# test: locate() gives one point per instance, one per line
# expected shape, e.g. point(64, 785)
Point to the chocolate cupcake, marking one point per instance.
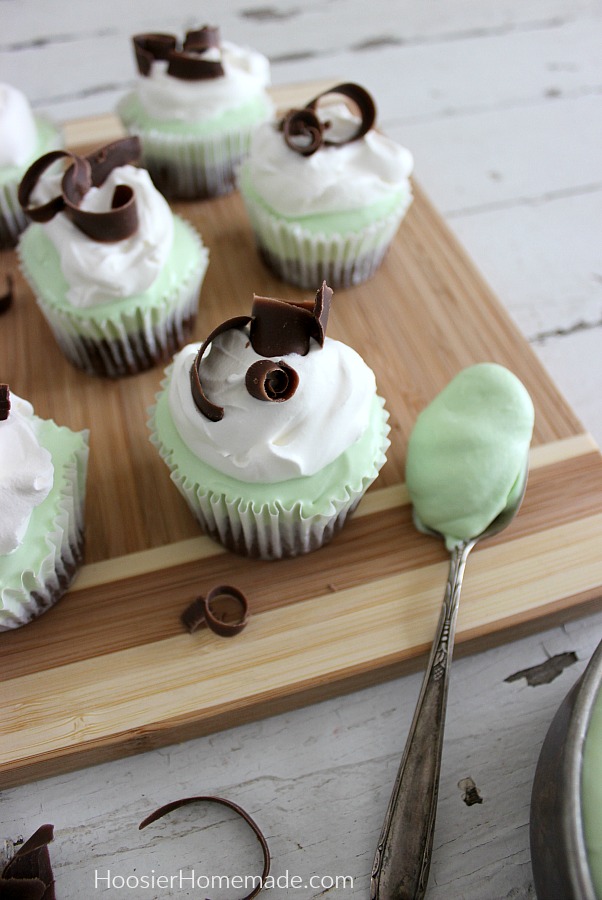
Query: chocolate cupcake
point(271, 431)
point(195, 107)
point(42, 485)
point(115, 272)
point(325, 191)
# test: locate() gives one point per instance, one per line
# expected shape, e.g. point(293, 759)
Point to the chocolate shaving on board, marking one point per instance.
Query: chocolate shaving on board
point(188, 63)
point(120, 222)
point(6, 299)
point(4, 402)
point(304, 131)
point(277, 328)
point(169, 807)
point(201, 611)
point(28, 875)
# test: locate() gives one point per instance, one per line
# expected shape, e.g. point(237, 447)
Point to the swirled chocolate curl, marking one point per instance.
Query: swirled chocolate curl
point(225, 610)
point(190, 63)
point(277, 328)
point(6, 299)
point(169, 807)
point(28, 875)
point(305, 132)
point(120, 222)
point(4, 402)
point(269, 380)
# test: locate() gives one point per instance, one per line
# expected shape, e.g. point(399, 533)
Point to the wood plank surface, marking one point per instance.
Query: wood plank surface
point(109, 671)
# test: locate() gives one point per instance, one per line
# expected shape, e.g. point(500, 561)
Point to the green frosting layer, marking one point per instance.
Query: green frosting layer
point(313, 494)
point(468, 451)
point(327, 223)
point(42, 266)
point(239, 118)
point(48, 138)
point(591, 794)
point(66, 448)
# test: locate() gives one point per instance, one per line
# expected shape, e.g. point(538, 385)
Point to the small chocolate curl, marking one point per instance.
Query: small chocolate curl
point(225, 610)
point(120, 222)
point(304, 131)
point(6, 299)
point(177, 804)
point(4, 402)
point(269, 380)
point(277, 328)
point(28, 875)
point(189, 63)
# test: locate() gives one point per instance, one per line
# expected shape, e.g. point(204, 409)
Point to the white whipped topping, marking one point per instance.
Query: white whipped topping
point(246, 75)
point(102, 272)
point(264, 441)
point(26, 474)
point(17, 127)
point(333, 179)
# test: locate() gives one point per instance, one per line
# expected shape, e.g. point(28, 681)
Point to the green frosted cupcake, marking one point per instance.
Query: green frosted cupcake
point(194, 109)
point(118, 275)
point(23, 138)
point(42, 484)
point(325, 192)
point(272, 432)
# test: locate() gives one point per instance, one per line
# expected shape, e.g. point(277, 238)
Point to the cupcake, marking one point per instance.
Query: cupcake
point(42, 486)
point(325, 192)
point(23, 137)
point(195, 108)
point(272, 432)
point(115, 273)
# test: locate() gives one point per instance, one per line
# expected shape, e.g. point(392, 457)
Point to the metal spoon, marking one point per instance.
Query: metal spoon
point(403, 855)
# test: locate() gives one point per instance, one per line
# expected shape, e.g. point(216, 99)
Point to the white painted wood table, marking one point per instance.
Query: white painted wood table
point(501, 104)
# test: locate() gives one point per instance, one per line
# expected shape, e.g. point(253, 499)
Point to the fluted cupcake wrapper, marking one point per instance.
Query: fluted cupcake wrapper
point(303, 258)
point(268, 529)
point(49, 578)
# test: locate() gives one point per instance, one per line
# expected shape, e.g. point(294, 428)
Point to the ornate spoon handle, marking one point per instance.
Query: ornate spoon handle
point(403, 854)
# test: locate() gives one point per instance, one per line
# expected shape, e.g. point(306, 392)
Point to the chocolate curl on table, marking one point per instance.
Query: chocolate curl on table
point(116, 224)
point(225, 610)
point(6, 299)
point(304, 131)
point(4, 402)
point(169, 807)
point(188, 64)
point(28, 875)
point(277, 328)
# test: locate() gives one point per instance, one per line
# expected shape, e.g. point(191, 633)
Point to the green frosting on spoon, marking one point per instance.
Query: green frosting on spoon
point(468, 452)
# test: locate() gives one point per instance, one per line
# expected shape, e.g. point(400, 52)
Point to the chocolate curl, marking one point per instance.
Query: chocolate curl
point(120, 222)
point(169, 807)
point(304, 130)
point(28, 875)
point(210, 410)
point(225, 610)
point(187, 64)
point(280, 327)
point(6, 299)
point(268, 380)
point(4, 402)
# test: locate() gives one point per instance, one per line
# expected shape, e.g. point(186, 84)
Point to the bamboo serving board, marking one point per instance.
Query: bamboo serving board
point(109, 671)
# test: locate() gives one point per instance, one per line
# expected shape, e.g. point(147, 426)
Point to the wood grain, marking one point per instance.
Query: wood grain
point(109, 671)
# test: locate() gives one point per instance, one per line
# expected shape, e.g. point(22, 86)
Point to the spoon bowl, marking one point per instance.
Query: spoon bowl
point(403, 854)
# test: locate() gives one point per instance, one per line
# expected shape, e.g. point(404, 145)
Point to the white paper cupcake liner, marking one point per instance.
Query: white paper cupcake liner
point(133, 341)
point(270, 530)
point(305, 259)
point(189, 167)
point(43, 585)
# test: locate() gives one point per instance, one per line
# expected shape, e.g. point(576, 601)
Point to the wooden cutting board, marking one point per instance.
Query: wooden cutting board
point(110, 671)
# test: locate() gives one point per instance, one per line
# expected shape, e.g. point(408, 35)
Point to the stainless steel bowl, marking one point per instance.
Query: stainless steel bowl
point(558, 854)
